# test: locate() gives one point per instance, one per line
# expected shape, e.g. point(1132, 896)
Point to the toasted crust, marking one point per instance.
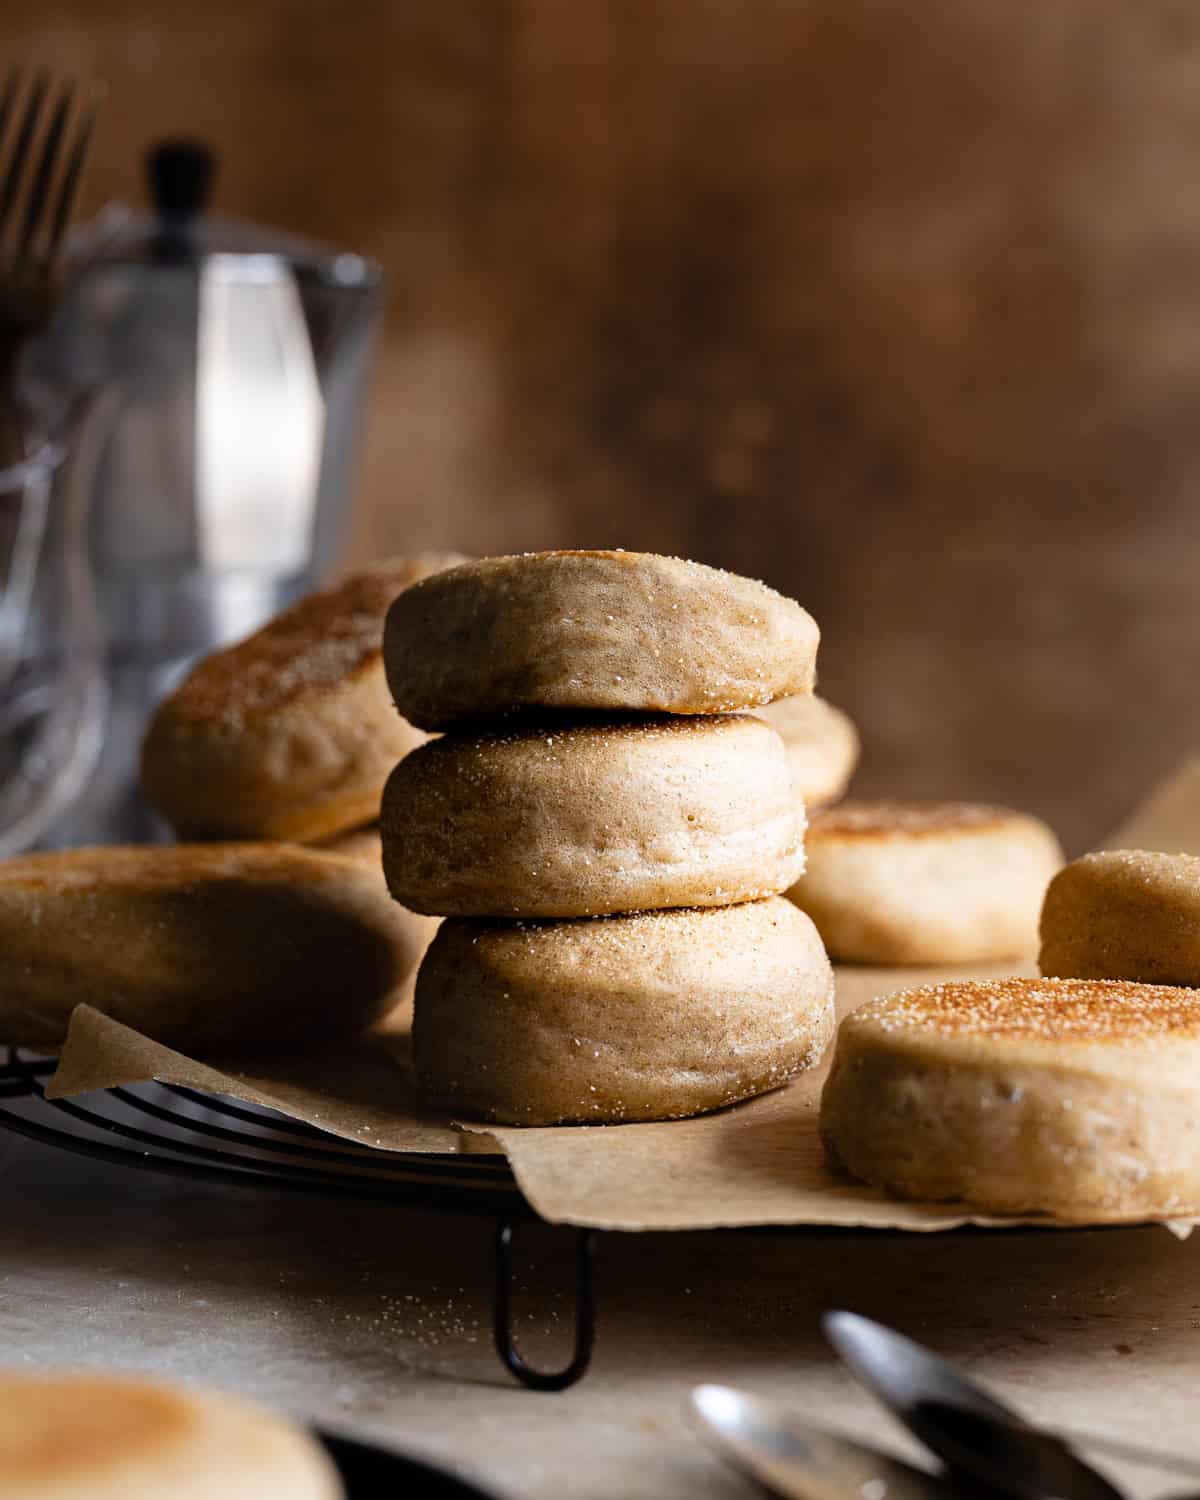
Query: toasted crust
point(1076, 1098)
point(592, 818)
point(897, 822)
point(644, 1017)
point(607, 631)
point(291, 733)
point(206, 946)
point(1016, 1017)
point(822, 746)
point(1124, 914)
point(943, 882)
point(112, 1437)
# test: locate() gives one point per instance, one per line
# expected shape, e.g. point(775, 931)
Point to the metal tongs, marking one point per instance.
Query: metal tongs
point(983, 1447)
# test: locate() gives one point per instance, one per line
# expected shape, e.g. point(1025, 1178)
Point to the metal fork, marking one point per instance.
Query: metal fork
point(46, 128)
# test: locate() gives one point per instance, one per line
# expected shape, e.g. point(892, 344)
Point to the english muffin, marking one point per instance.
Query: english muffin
point(1124, 914)
point(644, 1017)
point(925, 882)
point(1072, 1097)
point(290, 734)
point(202, 946)
point(606, 631)
point(95, 1436)
point(821, 742)
point(591, 818)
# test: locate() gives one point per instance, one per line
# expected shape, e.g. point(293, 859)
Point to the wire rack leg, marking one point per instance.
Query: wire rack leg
point(585, 1313)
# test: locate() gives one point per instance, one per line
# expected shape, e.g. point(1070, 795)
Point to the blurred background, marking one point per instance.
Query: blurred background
point(894, 305)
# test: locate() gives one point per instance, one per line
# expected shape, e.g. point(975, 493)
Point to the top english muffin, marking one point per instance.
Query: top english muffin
point(607, 631)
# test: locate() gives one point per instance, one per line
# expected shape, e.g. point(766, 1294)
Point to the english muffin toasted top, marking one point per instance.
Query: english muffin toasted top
point(1078, 1011)
point(324, 640)
point(292, 733)
point(884, 819)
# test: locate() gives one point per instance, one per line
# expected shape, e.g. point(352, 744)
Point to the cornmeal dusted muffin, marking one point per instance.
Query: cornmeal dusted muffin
point(597, 631)
point(1076, 1098)
point(643, 1017)
point(1124, 914)
point(199, 945)
point(925, 882)
point(290, 734)
point(589, 818)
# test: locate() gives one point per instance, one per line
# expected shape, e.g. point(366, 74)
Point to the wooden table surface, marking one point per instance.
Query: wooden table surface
point(378, 1320)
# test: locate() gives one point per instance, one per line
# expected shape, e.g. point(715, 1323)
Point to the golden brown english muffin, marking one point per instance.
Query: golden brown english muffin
point(590, 818)
point(290, 734)
point(1124, 914)
point(608, 631)
point(1072, 1097)
point(99, 1436)
point(205, 945)
point(822, 746)
point(644, 1017)
point(925, 882)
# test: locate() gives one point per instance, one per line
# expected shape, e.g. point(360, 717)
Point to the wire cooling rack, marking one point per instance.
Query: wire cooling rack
point(160, 1127)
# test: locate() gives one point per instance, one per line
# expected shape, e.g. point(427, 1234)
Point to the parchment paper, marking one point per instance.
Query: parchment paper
point(759, 1163)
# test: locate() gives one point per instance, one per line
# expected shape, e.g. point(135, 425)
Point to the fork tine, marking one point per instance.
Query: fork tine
point(69, 185)
point(12, 178)
point(40, 189)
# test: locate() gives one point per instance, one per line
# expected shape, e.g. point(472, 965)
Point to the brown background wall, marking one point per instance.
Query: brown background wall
point(894, 303)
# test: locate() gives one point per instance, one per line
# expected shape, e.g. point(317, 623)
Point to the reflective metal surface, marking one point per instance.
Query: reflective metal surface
point(970, 1431)
point(767, 1442)
point(219, 495)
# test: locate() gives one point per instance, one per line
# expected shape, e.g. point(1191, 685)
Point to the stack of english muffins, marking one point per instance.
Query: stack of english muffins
point(607, 834)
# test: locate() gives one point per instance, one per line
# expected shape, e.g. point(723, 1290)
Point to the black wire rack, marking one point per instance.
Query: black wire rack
point(161, 1127)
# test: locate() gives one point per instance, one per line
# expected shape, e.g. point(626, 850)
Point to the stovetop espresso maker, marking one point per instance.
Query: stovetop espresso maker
point(218, 490)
